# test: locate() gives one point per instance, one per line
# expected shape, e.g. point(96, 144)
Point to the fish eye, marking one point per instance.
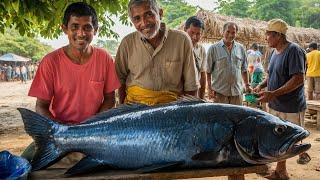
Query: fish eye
point(279, 129)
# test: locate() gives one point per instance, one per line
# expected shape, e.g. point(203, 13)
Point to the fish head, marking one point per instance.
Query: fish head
point(266, 138)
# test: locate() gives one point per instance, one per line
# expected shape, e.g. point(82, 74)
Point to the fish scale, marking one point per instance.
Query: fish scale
point(190, 134)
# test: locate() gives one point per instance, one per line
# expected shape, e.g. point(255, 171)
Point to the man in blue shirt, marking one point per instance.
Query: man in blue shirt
point(285, 84)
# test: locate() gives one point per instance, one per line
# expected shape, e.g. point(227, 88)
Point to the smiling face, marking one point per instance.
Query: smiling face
point(146, 20)
point(80, 32)
point(194, 33)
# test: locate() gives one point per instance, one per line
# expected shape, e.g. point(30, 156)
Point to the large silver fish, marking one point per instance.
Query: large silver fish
point(177, 135)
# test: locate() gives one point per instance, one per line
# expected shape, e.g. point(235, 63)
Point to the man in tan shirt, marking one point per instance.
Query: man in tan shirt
point(194, 27)
point(154, 64)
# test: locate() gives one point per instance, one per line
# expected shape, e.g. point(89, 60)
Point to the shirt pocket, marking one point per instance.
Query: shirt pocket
point(96, 89)
point(221, 63)
point(238, 60)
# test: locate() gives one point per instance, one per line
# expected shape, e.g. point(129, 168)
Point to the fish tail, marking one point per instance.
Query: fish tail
point(42, 130)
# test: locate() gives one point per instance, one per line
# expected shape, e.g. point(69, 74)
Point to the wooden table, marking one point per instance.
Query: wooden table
point(315, 105)
point(236, 173)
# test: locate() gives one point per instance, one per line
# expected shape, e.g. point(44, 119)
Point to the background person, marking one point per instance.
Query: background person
point(194, 27)
point(313, 72)
point(227, 68)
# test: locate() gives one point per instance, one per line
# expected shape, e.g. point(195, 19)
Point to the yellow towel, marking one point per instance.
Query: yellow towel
point(136, 94)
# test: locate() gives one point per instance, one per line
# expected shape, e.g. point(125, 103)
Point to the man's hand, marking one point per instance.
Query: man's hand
point(211, 93)
point(257, 89)
point(248, 88)
point(266, 96)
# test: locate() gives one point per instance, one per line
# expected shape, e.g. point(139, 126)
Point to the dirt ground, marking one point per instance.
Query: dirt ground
point(14, 139)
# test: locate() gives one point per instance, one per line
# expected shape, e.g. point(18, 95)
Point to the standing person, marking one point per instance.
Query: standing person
point(313, 71)
point(227, 68)
point(285, 84)
point(18, 74)
point(78, 80)
point(254, 60)
point(194, 27)
point(23, 73)
point(4, 69)
point(154, 64)
point(9, 72)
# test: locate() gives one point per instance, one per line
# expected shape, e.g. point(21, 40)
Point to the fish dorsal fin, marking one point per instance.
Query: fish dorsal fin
point(85, 165)
point(116, 111)
point(159, 167)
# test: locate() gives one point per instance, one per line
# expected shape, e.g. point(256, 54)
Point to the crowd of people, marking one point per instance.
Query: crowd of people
point(156, 64)
point(17, 71)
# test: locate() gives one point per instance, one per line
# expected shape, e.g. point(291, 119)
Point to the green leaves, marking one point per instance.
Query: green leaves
point(176, 12)
point(13, 42)
point(44, 17)
point(305, 13)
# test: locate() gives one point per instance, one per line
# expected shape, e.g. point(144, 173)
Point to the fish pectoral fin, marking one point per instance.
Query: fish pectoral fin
point(160, 167)
point(205, 156)
point(85, 165)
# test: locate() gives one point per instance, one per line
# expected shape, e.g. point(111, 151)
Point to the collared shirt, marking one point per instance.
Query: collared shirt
point(200, 59)
point(226, 68)
point(169, 67)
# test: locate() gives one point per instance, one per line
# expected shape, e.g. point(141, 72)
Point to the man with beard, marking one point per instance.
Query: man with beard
point(76, 81)
point(194, 27)
point(154, 64)
point(227, 68)
point(285, 84)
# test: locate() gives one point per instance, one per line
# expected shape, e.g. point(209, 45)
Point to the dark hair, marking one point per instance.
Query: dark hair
point(313, 45)
point(152, 3)
point(227, 24)
point(254, 46)
point(195, 21)
point(79, 9)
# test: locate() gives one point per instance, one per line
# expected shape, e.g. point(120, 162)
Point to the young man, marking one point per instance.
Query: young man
point(227, 68)
point(154, 64)
point(194, 27)
point(285, 84)
point(76, 81)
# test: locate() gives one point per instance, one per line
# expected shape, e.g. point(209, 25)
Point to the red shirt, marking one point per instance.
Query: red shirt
point(75, 91)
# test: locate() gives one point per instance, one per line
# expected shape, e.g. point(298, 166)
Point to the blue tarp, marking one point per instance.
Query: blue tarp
point(13, 58)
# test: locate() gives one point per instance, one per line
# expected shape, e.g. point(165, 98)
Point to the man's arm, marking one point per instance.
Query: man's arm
point(108, 102)
point(122, 93)
point(296, 81)
point(210, 90)
point(42, 108)
point(203, 85)
point(245, 80)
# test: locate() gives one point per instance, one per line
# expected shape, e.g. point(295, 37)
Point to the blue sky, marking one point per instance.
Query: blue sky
point(123, 30)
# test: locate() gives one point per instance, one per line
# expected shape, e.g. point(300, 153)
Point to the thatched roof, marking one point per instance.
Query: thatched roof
point(250, 30)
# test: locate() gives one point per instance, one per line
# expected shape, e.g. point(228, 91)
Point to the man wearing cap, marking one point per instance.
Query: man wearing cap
point(285, 84)
point(227, 68)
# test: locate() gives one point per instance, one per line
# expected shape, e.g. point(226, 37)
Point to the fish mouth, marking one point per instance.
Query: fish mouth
point(288, 150)
point(295, 146)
